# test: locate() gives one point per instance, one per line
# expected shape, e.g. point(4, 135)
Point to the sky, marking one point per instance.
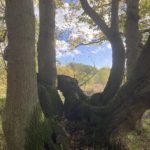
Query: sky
point(95, 55)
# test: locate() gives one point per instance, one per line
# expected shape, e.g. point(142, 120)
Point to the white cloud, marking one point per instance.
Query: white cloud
point(62, 49)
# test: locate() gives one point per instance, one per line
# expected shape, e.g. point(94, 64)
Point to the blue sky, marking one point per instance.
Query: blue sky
point(95, 55)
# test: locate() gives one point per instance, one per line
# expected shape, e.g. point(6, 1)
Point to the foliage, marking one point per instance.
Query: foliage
point(43, 132)
point(88, 77)
point(144, 19)
point(80, 28)
point(2, 79)
point(50, 101)
point(139, 138)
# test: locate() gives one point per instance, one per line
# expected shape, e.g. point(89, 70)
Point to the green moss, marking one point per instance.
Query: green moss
point(50, 101)
point(139, 138)
point(41, 131)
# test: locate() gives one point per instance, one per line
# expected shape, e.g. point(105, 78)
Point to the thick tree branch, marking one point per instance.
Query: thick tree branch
point(143, 65)
point(98, 41)
point(117, 71)
point(126, 107)
point(132, 35)
point(134, 95)
point(118, 51)
point(114, 15)
point(95, 17)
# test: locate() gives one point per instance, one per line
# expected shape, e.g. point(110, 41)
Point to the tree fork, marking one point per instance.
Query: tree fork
point(118, 120)
point(118, 51)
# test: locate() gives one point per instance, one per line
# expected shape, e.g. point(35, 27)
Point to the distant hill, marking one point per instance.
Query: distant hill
point(91, 79)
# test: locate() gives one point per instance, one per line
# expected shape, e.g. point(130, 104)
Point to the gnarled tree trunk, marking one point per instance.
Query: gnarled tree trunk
point(103, 118)
point(116, 111)
point(107, 125)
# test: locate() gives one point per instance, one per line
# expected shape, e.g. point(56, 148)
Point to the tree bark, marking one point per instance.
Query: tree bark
point(117, 70)
point(21, 79)
point(46, 43)
point(50, 101)
point(132, 35)
point(134, 95)
point(121, 107)
point(112, 122)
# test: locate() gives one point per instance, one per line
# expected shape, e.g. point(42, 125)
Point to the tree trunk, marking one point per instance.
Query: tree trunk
point(22, 85)
point(118, 50)
point(105, 126)
point(46, 43)
point(117, 70)
point(132, 35)
point(47, 88)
